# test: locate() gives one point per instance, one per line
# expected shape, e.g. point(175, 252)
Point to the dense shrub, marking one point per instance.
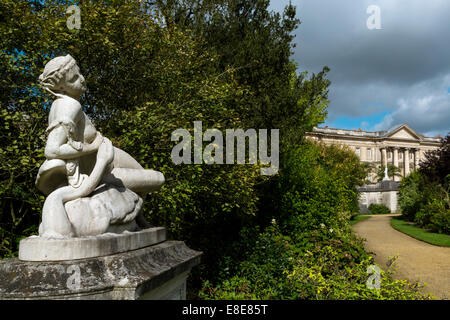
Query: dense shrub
point(379, 209)
point(334, 267)
point(410, 196)
point(309, 251)
point(318, 186)
point(424, 194)
point(440, 219)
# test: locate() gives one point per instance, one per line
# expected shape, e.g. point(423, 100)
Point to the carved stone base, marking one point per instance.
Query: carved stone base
point(35, 248)
point(154, 272)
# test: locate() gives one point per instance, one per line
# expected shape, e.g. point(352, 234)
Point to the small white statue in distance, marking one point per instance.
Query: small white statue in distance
point(386, 177)
point(92, 186)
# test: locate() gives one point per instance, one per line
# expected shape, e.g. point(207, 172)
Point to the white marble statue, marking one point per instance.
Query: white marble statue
point(92, 186)
point(386, 177)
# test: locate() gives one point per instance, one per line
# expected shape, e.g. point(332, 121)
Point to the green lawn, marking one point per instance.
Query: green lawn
point(358, 218)
point(437, 239)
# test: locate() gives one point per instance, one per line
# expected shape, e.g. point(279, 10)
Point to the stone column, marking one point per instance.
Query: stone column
point(406, 162)
point(384, 157)
point(395, 157)
point(416, 159)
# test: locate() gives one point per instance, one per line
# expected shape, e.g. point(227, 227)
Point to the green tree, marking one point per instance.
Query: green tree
point(257, 44)
point(436, 166)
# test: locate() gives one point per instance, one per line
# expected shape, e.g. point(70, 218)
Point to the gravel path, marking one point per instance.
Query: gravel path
point(417, 261)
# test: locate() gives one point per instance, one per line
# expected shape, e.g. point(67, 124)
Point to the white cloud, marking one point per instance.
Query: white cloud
point(402, 69)
point(425, 107)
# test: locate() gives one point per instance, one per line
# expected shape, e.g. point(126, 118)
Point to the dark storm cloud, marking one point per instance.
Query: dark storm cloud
point(403, 68)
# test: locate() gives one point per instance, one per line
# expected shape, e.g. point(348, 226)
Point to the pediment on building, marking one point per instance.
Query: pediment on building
point(403, 132)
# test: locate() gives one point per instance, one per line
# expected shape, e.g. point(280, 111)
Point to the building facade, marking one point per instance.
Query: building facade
point(401, 146)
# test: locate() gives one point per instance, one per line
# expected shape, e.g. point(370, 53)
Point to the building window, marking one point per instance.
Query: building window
point(369, 154)
point(389, 154)
point(358, 152)
point(400, 155)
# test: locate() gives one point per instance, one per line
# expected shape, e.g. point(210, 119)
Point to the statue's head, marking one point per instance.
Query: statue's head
point(62, 76)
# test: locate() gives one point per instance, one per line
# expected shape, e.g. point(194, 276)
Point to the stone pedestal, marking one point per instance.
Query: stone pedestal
point(35, 248)
point(157, 271)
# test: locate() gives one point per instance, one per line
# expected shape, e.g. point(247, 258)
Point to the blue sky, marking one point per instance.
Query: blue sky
point(379, 78)
point(364, 122)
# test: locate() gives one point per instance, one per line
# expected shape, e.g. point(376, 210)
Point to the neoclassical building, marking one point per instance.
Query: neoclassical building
point(401, 146)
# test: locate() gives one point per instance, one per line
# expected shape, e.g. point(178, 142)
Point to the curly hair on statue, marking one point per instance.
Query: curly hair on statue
point(55, 71)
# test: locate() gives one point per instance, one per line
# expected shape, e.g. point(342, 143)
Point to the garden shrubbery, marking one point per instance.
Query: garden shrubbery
point(379, 209)
point(306, 255)
point(424, 194)
point(334, 268)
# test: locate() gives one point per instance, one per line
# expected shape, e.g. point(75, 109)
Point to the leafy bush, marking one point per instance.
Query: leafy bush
point(318, 186)
point(309, 251)
point(423, 200)
point(335, 267)
point(410, 196)
point(440, 220)
point(379, 209)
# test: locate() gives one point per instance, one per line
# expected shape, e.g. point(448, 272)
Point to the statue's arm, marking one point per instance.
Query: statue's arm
point(94, 145)
point(105, 156)
point(58, 148)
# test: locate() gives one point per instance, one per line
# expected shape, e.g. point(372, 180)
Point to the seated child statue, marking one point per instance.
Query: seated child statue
point(92, 186)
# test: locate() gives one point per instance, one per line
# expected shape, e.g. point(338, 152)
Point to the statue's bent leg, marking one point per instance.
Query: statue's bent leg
point(129, 173)
point(55, 223)
point(124, 160)
point(137, 180)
